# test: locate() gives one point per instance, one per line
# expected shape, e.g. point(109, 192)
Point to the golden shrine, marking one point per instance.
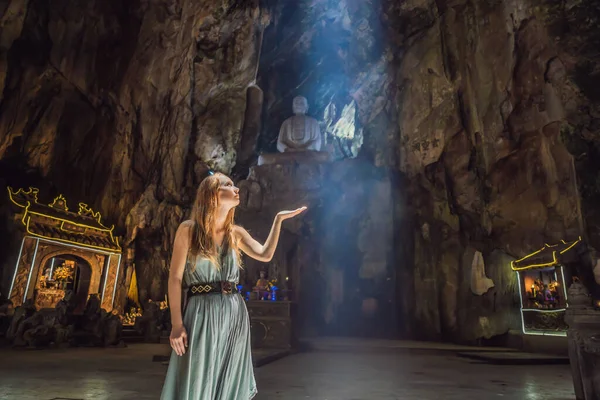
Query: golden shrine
point(543, 288)
point(62, 251)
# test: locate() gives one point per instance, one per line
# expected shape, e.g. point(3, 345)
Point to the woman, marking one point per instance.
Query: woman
point(211, 357)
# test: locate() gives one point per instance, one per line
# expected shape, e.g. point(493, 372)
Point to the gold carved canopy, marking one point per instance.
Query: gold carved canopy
point(548, 256)
point(55, 222)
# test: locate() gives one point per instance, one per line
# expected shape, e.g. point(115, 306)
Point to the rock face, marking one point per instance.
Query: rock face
point(464, 101)
point(447, 120)
point(479, 122)
point(574, 26)
point(125, 105)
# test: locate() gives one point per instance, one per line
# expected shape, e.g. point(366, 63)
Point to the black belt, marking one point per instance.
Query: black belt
point(213, 287)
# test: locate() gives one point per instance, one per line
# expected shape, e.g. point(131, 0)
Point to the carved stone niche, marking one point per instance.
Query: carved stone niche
point(584, 343)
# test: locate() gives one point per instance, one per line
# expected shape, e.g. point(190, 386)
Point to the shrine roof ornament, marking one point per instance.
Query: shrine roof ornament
point(55, 222)
point(547, 256)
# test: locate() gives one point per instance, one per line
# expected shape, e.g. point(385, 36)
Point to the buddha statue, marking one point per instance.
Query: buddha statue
point(299, 139)
point(300, 132)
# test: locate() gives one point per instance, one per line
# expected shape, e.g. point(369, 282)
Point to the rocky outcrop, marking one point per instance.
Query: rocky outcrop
point(465, 101)
point(125, 105)
point(480, 117)
point(574, 27)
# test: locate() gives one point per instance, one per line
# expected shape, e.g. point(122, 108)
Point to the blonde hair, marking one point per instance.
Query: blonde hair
point(203, 217)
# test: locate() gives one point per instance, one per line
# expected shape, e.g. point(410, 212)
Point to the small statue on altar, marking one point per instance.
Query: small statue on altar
point(262, 286)
point(300, 132)
point(262, 282)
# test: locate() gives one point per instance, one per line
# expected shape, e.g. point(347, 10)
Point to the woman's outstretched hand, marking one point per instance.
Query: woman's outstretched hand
point(283, 215)
point(178, 339)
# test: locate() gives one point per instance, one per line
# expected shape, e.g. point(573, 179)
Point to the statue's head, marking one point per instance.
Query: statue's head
point(300, 105)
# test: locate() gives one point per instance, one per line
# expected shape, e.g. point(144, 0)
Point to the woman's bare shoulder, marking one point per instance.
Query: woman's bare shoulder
point(187, 224)
point(185, 228)
point(238, 230)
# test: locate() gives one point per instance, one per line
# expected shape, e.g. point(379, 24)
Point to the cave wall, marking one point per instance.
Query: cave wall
point(574, 27)
point(484, 93)
point(480, 116)
point(460, 108)
point(463, 103)
point(124, 106)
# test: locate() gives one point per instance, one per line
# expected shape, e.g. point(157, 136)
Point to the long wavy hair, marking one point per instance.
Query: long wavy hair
point(204, 217)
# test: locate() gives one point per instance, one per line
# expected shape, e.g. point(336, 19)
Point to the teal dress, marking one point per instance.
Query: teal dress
point(217, 364)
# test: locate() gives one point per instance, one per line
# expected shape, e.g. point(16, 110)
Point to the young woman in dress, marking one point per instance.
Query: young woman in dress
point(211, 357)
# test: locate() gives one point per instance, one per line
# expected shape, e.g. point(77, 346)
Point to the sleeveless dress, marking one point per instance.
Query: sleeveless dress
point(217, 364)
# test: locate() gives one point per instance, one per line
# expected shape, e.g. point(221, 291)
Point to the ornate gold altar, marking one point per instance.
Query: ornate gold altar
point(62, 251)
point(542, 288)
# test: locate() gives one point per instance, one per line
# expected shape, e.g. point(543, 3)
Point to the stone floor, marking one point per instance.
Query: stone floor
point(404, 374)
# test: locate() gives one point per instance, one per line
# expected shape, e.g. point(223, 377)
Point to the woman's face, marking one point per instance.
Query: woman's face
point(228, 194)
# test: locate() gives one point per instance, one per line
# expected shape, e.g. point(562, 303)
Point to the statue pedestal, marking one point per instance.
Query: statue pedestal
point(271, 324)
point(299, 157)
point(584, 344)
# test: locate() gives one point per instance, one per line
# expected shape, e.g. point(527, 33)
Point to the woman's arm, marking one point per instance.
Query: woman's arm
point(264, 252)
point(180, 249)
